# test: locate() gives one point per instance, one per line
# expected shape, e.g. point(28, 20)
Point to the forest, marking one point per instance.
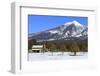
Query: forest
point(61, 45)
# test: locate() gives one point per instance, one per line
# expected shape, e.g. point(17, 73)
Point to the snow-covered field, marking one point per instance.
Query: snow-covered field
point(56, 56)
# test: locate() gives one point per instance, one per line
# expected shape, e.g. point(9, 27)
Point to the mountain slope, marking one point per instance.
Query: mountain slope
point(66, 31)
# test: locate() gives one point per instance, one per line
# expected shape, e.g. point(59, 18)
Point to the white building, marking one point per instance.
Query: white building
point(37, 48)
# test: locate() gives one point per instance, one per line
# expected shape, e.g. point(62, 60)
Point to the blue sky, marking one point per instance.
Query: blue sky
point(37, 23)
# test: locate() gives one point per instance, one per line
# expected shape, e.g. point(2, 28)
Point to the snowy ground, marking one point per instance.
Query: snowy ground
point(56, 56)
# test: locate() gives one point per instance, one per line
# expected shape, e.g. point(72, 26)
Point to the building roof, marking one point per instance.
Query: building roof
point(37, 46)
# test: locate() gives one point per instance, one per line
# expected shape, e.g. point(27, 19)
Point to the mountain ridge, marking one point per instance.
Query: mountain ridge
point(66, 31)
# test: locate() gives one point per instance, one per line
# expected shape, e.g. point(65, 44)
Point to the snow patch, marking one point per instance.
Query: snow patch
point(53, 31)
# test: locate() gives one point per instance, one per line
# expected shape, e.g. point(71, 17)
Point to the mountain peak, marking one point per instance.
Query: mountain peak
point(76, 23)
point(73, 22)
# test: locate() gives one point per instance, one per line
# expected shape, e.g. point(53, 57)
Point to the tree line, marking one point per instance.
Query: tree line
point(65, 46)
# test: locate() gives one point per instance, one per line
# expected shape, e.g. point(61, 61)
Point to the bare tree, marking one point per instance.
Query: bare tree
point(74, 48)
point(63, 48)
point(52, 48)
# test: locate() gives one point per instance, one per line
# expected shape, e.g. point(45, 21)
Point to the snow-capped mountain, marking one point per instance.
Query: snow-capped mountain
point(66, 31)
